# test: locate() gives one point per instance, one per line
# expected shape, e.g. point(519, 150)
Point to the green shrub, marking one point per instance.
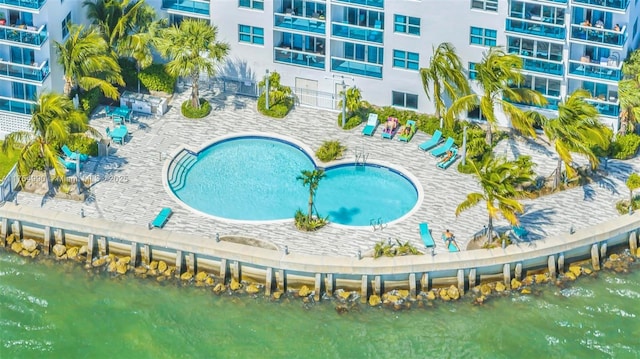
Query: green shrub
point(278, 110)
point(129, 73)
point(352, 122)
point(330, 150)
point(303, 223)
point(625, 147)
point(191, 112)
point(89, 100)
point(623, 205)
point(155, 78)
point(83, 144)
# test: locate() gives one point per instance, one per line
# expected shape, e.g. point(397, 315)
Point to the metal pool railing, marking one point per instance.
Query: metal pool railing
point(179, 167)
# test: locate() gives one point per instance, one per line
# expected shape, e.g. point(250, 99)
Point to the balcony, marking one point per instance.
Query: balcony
point(599, 36)
point(196, 8)
point(300, 58)
point(355, 67)
point(30, 36)
point(15, 105)
point(542, 66)
point(536, 28)
point(610, 4)
point(370, 3)
point(599, 71)
point(32, 74)
point(308, 24)
point(606, 108)
point(27, 4)
point(354, 32)
point(552, 103)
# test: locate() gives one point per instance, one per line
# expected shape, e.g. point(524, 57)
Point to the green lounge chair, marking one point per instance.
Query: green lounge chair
point(412, 130)
point(372, 123)
point(426, 235)
point(73, 155)
point(445, 163)
point(162, 217)
point(453, 246)
point(440, 151)
point(432, 142)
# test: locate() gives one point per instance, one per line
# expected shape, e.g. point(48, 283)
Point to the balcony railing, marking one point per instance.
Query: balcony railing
point(27, 36)
point(301, 58)
point(29, 4)
point(536, 28)
point(613, 4)
point(190, 6)
point(36, 72)
point(542, 66)
point(606, 108)
point(356, 32)
point(355, 67)
point(552, 102)
point(599, 35)
point(301, 23)
point(596, 71)
point(370, 3)
point(14, 105)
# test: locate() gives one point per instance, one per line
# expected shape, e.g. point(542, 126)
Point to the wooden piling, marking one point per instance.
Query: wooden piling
point(179, 263)
point(633, 243)
point(223, 270)
point(561, 263)
point(551, 266)
point(48, 240)
point(102, 247)
point(328, 283)
point(472, 278)
point(17, 228)
point(268, 282)
point(235, 270)
point(603, 250)
point(282, 285)
point(506, 272)
point(595, 259)
point(91, 243)
point(517, 272)
point(412, 285)
point(134, 255)
point(191, 263)
point(377, 285)
point(317, 288)
point(461, 281)
point(424, 282)
point(364, 289)
point(4, 232)
point(146, 257)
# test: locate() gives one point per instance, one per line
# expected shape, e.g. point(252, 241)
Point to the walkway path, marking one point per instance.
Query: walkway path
point(129, 186)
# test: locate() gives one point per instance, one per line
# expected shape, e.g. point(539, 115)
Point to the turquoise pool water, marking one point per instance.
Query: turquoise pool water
point(254, 179)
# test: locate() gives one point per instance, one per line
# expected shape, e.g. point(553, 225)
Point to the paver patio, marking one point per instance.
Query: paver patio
point(129, 185)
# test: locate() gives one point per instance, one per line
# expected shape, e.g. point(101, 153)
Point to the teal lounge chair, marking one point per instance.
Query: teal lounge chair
point(426, 235)
point(453, 246)
point(372, 124)
point(73, 155)
point(439, 151)
point(162, 217)
point(445, 163)
point(70, 165)
point(432, 142)
point(412, 131)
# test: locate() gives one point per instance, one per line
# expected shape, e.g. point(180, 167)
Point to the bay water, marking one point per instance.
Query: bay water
point(60, 310)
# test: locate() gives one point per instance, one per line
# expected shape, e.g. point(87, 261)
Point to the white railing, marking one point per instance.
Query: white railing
point(9, 183)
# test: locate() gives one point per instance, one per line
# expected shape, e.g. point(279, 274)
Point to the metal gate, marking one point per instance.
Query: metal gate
point(236, 86)
point(316, 99)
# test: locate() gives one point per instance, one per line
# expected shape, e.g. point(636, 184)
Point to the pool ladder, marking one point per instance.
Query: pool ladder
point(361, 156)
point(377, 224)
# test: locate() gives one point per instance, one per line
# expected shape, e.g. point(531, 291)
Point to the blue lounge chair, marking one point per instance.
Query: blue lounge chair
point(70, 165)
point(439, 151)
point(426, 235)
point(447, 161)
point(372, 123)
point(453, 246)
point(412, 130)
point(73, 155)
point(520, 232)
point(162, 217)
point(432, 142)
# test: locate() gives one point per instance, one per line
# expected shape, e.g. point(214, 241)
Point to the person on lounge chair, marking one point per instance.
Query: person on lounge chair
point(406, 131)
point(448, 237)
point(447, 156)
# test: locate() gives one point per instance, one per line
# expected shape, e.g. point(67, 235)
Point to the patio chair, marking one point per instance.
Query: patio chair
point(406, 137)
point(390, 128)
point(425, 234)
point(70, 165)
point(447, 161)
point(74, 155)
point(371, 125)
point(440, 151)
point(162, 218)
point(432, 142)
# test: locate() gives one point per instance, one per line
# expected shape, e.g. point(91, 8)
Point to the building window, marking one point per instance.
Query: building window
point(635, 29)
point(489, 5)
point(406, 24)
point(251, 34)
point(66, 22)
point(402, 99)
point(483, 37)
point(473, 73)
point(252, 4)
point(406, 60)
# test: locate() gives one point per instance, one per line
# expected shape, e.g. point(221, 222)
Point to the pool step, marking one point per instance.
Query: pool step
point(178, 172)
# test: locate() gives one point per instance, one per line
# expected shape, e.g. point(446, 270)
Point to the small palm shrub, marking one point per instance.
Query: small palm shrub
point(190, 112)
point(391, 249)
point(304, 224)
point(625, 147)
point(279, 110)
point(280, 97)
point(330, 150)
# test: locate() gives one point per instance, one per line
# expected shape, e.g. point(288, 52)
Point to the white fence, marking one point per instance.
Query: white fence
point(9, 183)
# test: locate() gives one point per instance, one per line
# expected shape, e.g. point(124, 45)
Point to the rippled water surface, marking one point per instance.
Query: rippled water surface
point(61, 311)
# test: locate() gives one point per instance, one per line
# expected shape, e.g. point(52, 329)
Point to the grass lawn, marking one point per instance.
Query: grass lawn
point(7, 160)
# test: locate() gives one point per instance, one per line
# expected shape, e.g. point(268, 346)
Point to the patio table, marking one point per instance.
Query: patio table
point(118, 134)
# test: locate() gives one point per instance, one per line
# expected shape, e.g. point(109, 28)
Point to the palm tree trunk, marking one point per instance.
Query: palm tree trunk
point(624, 125)
point(138, 76)
point(195, 94)
point(556, 177)
point(490, 230)
point(489, 136)
point(68, 86)
point(309, 214)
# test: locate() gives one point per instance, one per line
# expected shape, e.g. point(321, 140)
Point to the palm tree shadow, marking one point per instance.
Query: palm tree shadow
point(589, 193)
point(619, 170)
point(532, 222)
point(538, 147)
point(344, 215)
point(608, 184)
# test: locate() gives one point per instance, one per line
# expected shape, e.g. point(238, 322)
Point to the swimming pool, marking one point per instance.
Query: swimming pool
point(253, 178)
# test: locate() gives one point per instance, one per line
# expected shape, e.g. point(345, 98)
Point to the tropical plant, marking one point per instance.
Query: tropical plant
point(312, 180)
point(391, 249)
point(501, 184)
point(575, 130)
point(119, 19)
point(304, 223)
point(446, 77)
point(192, 48)
point(53, 122)
point(330, 150)
point(277, 92)
point(629, 96)
point(500, 77)
point(88, 62)
point(633, 183)
point(353, 97)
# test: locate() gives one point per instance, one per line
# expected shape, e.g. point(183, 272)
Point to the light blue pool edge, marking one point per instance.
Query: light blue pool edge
point(309, 153)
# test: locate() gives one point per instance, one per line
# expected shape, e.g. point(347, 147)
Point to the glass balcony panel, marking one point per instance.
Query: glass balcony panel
point(545, 67)
point(552, 103)
point(301, 58)
point(356, 32)
point(596, 71)
point(192, 6)
point(613, 4)
point(535, 28)
point(24, 72)
point(599, 35)
point(371, 3)
point(604, 107)
point(29, 4)
point(28, 35)
point(16, 105)
point(356, 67)
point(309, 24)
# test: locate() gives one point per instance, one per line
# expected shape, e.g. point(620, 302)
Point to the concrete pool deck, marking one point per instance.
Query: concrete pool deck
point(128, 184)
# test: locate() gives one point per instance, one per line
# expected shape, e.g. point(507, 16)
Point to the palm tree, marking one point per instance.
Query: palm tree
point(52, 122)
point(277, 92)
point(500, 77)
point(501, 184)
point(118, 19)
point(88, 62)
point(139, 44)
point(633, 183)
point(445, 75)
point(192, 47)
point(575, 130)
point(629, 95)
point(311, 179)
point(353, 97)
